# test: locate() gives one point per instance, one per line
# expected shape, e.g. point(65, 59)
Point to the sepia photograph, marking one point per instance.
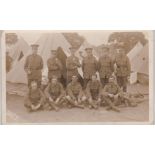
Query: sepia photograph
point(77, 77)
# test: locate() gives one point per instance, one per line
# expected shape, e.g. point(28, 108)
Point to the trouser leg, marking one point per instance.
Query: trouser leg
point(85, 83)
point(124, 83)
point(111, 104)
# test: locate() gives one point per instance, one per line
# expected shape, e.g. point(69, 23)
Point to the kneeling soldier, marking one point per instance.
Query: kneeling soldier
point(35, 99)
point(93, 92)
point(54, 93)
point(111, 94)
point(75, 93)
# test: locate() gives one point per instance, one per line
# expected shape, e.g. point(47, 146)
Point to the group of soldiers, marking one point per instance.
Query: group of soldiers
point(108, 91)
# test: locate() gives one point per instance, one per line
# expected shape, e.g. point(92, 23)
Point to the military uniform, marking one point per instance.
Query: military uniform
point(122, 71)
point(111, 89)
point(33, 66)
point(74, 94)
point(93, 92)
point(54, 91)
point(106, 68)
point(54, 68)
point(89, 67)
point(72, 64)
point(35, 99)
point(8, 63)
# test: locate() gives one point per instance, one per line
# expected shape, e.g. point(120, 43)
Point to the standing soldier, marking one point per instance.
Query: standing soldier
point(93, 92)
point(89, 66)
point(111, 94)
point(33, 66)
point(54, 93)
point(72, 64)
point(105, 66)
point(54, 66)
point(123, 68)
point(75, 93)
point(9, 61)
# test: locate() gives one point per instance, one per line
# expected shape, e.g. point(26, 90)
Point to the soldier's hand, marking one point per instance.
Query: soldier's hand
point(57, 100)
point(79, 100)
point(110, 95)
point(76, 102)
point(28, 71)
point(50, 99)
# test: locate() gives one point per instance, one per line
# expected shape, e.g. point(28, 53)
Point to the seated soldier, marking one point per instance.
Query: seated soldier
point(35, 99)
point(93, 92)
point(75, 93)
point(111, 94)
point(54, 94)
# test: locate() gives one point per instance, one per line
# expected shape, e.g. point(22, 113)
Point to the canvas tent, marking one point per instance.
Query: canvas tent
point(18, 50)
point(46, 43)
point(137, 48)
point(140, 64)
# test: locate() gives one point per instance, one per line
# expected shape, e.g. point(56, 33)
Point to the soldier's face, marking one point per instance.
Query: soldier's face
point(89, 52)
point(34, 50)
point(54, 81)
point(121, 51)
point(54, 54)
point(74, 79)
point(72, 51)
point(34, 86)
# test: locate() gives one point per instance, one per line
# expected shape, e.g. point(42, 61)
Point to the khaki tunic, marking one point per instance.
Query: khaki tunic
point(34, 96)
point(93, 89)
point(54, 90)
point(105, 66)
point(54, 67)
point(74, 90)
point(34, 63)
point(123, 66)
point(89, 66)
point(112, 88)
point(72, 64)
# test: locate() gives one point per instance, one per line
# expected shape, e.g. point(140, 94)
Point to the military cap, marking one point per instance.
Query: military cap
point(53, 51)
point(105, 47)
point(88, 48)
point(72, 47)
point(35, 46)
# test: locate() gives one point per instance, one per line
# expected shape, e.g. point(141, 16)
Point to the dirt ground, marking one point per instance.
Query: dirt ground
point(16, 112)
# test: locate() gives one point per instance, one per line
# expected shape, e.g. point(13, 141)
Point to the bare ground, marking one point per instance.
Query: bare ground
point(16, 112)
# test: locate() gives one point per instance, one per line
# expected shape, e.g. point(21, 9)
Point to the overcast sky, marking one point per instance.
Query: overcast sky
point(93, 37)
